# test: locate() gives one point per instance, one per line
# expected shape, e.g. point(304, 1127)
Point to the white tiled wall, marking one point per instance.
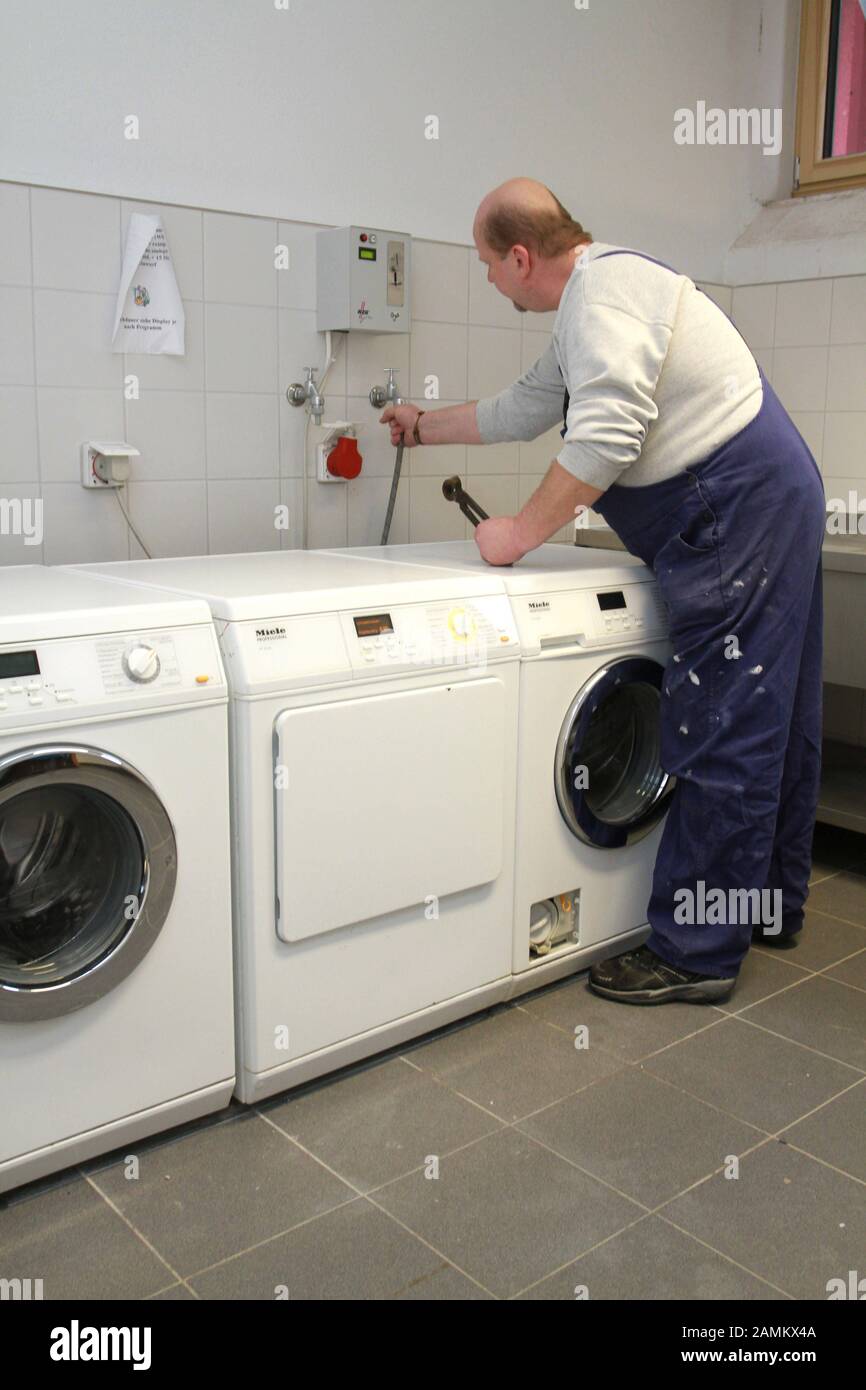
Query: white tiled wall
point(220, 446)
point(810, 338)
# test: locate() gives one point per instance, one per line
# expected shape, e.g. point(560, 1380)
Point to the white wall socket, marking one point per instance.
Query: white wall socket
point(105, 463)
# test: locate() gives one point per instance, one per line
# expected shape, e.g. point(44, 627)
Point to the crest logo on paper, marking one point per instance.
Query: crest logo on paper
point(142, 298)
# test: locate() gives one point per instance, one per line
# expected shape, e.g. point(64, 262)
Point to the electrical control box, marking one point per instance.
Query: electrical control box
point(362, 280)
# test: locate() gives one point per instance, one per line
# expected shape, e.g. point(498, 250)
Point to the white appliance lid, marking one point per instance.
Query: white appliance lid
point(548, 569)
point(38, 603)
point(276, 584)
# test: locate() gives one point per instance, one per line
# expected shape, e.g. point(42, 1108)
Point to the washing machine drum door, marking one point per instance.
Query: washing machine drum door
point(88, 868)
point(610, 785)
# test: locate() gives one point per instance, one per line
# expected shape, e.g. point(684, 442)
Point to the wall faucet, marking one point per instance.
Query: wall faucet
point(296, 394)
point(380, 396)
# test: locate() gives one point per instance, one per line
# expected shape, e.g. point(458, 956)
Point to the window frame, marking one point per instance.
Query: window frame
point(815, 174)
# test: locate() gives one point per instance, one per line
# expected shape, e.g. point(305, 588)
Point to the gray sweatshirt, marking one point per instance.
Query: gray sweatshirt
point(657, 375)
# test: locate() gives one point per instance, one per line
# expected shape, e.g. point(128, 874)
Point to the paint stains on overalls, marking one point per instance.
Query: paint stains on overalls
point(735, 544)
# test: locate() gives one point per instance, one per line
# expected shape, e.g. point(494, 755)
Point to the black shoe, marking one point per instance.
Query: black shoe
point(780, 941)
point(642, 977)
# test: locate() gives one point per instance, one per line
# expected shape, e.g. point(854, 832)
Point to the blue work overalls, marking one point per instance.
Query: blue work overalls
point(735, 544)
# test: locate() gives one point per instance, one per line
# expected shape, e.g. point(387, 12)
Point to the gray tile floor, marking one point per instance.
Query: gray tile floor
point(496, 1160)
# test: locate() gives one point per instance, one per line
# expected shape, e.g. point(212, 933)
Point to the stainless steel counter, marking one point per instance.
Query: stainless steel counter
point(846, 553)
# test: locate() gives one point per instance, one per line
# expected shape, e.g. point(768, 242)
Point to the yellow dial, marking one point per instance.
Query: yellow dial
point(461, 623)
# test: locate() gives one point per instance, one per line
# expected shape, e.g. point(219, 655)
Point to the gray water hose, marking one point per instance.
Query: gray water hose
point(395, 482)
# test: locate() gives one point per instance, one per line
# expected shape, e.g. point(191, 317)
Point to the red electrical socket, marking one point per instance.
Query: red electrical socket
point(344, 461)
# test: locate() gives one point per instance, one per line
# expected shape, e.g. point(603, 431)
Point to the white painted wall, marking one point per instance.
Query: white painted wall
point(316, 112)
point(771, 80)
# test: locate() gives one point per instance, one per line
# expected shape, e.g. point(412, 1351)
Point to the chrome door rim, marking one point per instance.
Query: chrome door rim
point(75, 765)
point(632, 670)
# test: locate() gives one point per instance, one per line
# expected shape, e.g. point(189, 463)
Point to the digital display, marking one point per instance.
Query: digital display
point(608, 601)
point(18, 664)
point(372, 624)
point(366, 253)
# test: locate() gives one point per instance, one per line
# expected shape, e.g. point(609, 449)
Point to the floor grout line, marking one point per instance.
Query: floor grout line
point(844, 961)
point(847, 921)
point(774, 994)
point(767, 1134)
point(728, 1114)
point(638, 1221)
point(729, 1258)
point(655, 1210)
point(825, 1163)
point(277, 1235)
point(135, 1231)
point(861, 1071)
point(549, 1023)
point(367, 1196)
point(794, 1042)
point(410, 1231)
point(452, 1153)
point(708, 1177)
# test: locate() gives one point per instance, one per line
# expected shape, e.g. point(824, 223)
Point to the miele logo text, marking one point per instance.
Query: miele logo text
point(264, 632)
point(536, 604)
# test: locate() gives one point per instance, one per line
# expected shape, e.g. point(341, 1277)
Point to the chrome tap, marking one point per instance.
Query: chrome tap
point(308, 394)
point(380, 396)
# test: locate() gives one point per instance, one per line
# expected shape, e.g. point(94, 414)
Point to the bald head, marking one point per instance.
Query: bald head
point(524, 212)
point(527, 239)
point(515, 196)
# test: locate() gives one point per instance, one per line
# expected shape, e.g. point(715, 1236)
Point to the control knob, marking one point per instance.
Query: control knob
point(141, 663)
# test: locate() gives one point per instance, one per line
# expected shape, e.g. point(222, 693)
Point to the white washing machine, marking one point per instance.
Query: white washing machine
point(592, 793)
point(374, 742)
point(115, 922)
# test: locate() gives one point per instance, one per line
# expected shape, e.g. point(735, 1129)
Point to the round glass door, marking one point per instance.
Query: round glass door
point(88, 868)
point(610, 785)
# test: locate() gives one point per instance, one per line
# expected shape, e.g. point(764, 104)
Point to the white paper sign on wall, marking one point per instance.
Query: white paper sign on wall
point(149, 316)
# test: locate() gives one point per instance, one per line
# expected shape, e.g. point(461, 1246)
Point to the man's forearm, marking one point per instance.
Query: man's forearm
point(553, 505)
point(453, 424)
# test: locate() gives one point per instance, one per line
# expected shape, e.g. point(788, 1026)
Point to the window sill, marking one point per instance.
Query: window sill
point(801, 239)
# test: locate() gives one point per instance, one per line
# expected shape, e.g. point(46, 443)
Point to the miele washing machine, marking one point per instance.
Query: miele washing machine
point(374, 769)
point(115, 923)
point(591, 791)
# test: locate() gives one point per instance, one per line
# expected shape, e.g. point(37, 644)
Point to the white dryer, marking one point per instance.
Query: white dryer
point(115, 926)
point(592, 793)
point(374, 742)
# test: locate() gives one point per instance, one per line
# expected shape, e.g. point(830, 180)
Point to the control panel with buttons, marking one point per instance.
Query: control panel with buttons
point(459, 634)
point(315, 649)
point(74, 677)
point(591, 617)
